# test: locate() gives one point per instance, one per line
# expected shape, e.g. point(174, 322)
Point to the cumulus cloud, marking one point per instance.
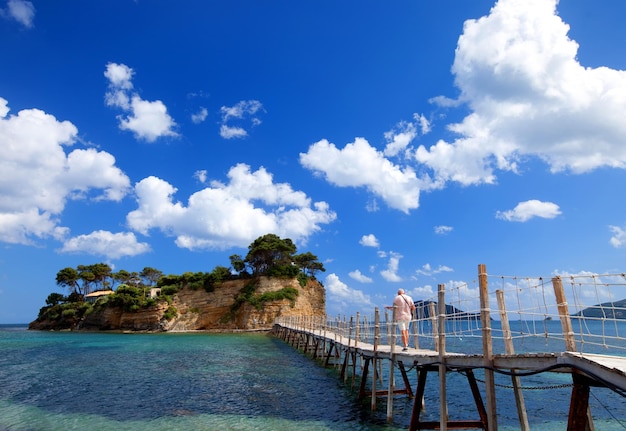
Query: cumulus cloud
point(618, 240)
point(107, 244)
point(201, 175)
point(428, 270)
point(369, 240)
point(518, 72)
point(21, 11)
point(443, 230)
point(360, 277)
point(404, 133)
point(37, 176)
point(250, 205)
point(228, 132)
point(244, 111)
point(199, 116)
point(360, 165)
point(147, 120)
point(524, 211)
point(528, 98)
point(341, 296)
point(391, 273)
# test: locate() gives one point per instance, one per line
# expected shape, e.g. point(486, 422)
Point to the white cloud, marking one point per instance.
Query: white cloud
point(400, 138)
point(344, 297)
point(360, 165)
point(369, 241)
point(4, 107)
point(199, 116)
point(360, 277)
point(21, 11)
point(391, 273)
point(524, 211)
point(427, 270)
point(120, 76)
point(421, 293)
point(147, 120)
point(200, 175)
point(443, 230)
point(618, 240)
point(107, 244)
point(37, 177)
point(404, 133)
point(243, 110)
point(227, 215)
point(227, 132)
point(529, 96)
point(423, 123)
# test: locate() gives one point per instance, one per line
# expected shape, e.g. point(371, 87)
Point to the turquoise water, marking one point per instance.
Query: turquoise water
point(104, 381)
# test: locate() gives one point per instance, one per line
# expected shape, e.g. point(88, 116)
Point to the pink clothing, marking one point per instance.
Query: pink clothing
point(404, 305)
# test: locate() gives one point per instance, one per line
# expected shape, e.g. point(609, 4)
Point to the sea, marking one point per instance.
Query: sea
point(60, 381)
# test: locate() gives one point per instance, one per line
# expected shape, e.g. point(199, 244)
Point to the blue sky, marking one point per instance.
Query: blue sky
point(402, 142)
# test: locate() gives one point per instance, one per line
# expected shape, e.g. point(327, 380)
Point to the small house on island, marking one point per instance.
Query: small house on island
point(93, 296)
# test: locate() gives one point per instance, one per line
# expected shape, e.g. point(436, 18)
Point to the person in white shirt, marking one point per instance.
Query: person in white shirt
point(404, 314)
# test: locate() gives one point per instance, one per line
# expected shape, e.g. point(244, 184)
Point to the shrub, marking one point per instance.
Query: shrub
point(302, 279)
point(169, 290)
point(68, 313)
point(170, 313)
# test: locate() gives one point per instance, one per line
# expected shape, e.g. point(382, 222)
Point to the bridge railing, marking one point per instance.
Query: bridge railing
point(584, 313)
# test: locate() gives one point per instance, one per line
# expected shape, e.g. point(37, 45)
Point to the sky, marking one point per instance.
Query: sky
point(403, 143)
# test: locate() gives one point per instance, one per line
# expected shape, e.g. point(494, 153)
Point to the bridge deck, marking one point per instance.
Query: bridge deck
point(606, 369)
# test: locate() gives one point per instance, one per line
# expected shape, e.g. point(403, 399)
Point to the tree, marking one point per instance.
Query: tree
point(86, 277)
point(54, 299)
point(68, 277)
point(237, 263)
point(308, 263)
point(102, 272)
point(269, 252)
point(150, 276)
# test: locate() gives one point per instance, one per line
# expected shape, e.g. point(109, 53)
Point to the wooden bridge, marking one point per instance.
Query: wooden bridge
point(364, 349)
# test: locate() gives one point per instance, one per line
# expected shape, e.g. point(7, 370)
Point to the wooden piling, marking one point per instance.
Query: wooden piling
point(441, 349)
point(579, 418)
point(374, 359)
point(392, 363)
point(510, 350)
point(485, 319)
point(433, 322)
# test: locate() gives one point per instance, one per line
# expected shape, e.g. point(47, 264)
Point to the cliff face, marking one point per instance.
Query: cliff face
point(201, 310)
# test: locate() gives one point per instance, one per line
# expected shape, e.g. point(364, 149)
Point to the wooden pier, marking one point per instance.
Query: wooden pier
point(365, 353)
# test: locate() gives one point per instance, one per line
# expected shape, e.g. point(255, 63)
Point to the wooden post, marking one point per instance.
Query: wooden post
point(433, 321)
point(566, 322)
point(579, 402)
point(392, 359)
point(374, 359)
point(441, 348)
point(357, 332)
point(510, 350)
point(485, 320)
point(416, 343)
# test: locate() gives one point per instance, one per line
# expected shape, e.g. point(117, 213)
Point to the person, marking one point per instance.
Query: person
point(404, 314)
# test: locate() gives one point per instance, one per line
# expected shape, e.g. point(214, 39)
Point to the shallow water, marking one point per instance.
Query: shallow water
point(103, 381)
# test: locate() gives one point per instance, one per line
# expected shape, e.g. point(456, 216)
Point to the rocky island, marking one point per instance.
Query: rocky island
point(270, 282)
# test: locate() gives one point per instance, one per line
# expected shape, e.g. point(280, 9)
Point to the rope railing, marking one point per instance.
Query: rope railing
point(595, 320)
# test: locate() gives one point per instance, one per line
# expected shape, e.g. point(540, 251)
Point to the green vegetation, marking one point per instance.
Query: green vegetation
point(268, 255)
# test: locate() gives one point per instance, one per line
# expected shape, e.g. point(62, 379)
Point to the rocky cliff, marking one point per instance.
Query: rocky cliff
point(218, 310)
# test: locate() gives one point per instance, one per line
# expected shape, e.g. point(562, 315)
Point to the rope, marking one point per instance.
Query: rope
point(608, 411)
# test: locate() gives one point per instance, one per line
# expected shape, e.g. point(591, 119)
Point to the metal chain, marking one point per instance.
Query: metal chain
point(532, 388)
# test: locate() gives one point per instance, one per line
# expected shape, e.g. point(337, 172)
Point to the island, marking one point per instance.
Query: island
point(606, 310)
point(271, 281)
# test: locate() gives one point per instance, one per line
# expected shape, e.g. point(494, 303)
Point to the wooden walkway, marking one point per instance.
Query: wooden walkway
point(367, 360)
